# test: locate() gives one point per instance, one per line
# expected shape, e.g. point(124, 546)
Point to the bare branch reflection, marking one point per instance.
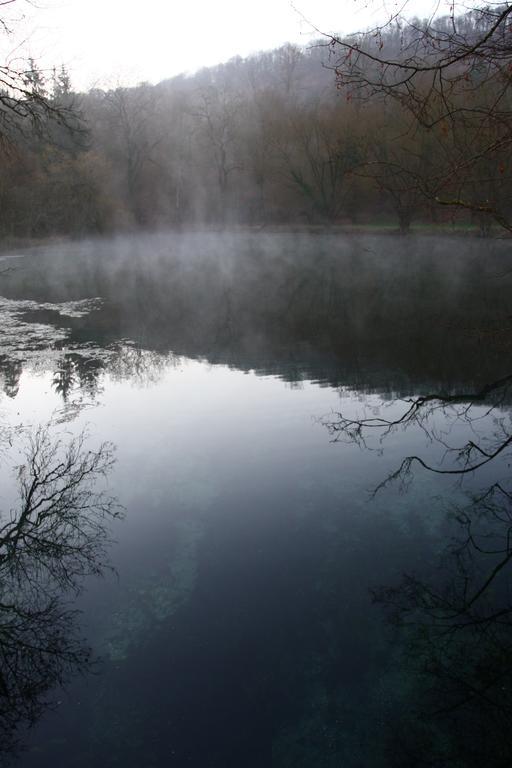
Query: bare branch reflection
point(461, 409)
point(454, 620)
point(57, 535)
point(456, 627)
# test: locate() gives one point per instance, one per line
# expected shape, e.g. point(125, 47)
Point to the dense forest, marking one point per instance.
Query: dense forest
point(282, 137)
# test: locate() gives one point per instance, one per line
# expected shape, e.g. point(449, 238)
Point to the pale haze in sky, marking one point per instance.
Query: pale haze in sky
point(107, 42)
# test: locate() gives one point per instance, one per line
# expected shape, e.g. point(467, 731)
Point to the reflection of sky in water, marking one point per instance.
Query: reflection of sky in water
point(199, 443)
point(240, 619)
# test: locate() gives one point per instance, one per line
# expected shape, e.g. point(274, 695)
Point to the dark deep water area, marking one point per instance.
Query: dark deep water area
point(264, 607)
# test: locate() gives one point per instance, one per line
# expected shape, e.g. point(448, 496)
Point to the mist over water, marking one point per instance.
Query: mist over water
point(239, 628)
point(343, 310)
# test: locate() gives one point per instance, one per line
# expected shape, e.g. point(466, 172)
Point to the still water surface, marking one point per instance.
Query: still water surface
point(238, 628)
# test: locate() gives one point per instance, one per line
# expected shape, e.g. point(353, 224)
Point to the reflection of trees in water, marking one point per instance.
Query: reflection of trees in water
point(141, 366)
point(490, 432)
point(10, 373)
point(81, 374)
point(458, 645)
point(58, 534)
point(77, 375)
point(456, 622)
point(375, 314)
point(64, 378)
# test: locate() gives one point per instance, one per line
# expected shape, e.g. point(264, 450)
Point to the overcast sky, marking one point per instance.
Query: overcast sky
point(105, 42)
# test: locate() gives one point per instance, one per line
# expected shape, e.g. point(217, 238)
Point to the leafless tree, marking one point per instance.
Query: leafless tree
point(451, 75)
point(26, 103)
point(217, 111)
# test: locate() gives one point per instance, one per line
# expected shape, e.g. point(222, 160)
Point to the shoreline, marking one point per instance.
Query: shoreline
point(10, 245)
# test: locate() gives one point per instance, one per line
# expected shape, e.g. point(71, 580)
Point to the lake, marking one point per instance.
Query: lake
point(254, 613)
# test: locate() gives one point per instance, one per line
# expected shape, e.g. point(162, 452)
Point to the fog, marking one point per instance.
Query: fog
point(255, 388)
point(264, 141)
point(299, 306)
